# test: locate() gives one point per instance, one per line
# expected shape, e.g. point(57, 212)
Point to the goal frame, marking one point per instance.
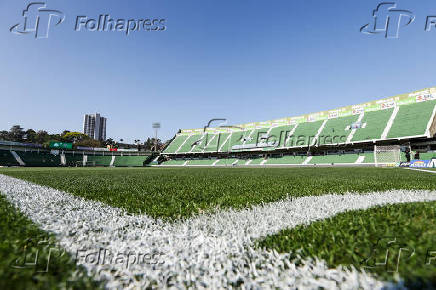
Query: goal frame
point(387, 155)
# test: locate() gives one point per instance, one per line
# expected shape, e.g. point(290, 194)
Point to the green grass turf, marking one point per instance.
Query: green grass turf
point(20, 237)
point(360, 238)
point(182, 192)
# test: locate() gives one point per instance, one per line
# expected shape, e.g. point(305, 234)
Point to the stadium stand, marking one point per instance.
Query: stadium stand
point(368, 157)
point(130, 161)
point(176, 143)
point(412, 120)
point(427, 155)
point(257, 161)
point(286, 160)
point(336, 130)
point(7, 159)
point(381, 122)
point(100, 160)
point(374, 123)
point(334, 159)
point(279, 134)
point(228, 162)
point(203, 162)
point(187, 145)
point(73, 159)
point(174, 162)
point(39, 159)
point(213, 142)
point(44, 158)
point(304, 134)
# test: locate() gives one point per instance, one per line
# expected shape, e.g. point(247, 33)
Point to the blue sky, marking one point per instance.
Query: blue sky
point(241, 60)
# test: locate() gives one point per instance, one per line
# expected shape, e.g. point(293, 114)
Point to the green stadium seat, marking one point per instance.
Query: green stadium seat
point(73, 159)
point(369, 157)
point(375, 123)
point(100, 160)
point(412, 120)
point(304, 133)
point(335, 159)
point(130, 161)
point(7, 159)
point(174, 162)
point(228, 162)
point(240, 138)
point(204, 162)
point(279, 134)
point(284, 160)
point(335, 130)
point(257, 161)
point(175, 144)
point(39, 159)
point(427, 156)
point(187, 146)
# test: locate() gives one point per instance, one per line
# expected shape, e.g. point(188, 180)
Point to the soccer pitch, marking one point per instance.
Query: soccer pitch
point(221, 227)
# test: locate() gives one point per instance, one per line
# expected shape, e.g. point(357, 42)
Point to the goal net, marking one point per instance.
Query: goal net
point(387, 155)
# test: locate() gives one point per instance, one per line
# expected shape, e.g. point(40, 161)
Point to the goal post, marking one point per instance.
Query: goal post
point(388, 156)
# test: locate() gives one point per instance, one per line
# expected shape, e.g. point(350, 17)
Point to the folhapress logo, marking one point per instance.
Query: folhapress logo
point(388, 20)
point(38, 20)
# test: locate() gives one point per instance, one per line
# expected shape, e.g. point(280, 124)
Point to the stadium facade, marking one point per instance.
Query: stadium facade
point(344, 136)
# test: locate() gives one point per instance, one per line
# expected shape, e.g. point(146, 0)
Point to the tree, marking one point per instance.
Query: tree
point(4, 135)
point(42, 137)
point(110, 142)
point(74, 137)
point(30, 135)
point(149, 145)
point(90, 143)
point(16, 133)
point(65, 132)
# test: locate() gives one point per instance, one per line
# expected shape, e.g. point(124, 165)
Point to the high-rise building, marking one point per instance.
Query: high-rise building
point(94, 126)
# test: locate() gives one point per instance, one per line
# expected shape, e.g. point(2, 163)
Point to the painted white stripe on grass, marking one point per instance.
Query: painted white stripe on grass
point(423, 170)
point(213, 250)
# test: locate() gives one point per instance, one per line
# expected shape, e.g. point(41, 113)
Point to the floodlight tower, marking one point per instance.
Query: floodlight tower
point(156, 127)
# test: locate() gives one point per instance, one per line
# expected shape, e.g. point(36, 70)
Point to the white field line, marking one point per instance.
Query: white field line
point(423, 170)
point(207, 251)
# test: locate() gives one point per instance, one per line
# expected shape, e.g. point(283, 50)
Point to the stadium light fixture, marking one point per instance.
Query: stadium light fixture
point(156, 127)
